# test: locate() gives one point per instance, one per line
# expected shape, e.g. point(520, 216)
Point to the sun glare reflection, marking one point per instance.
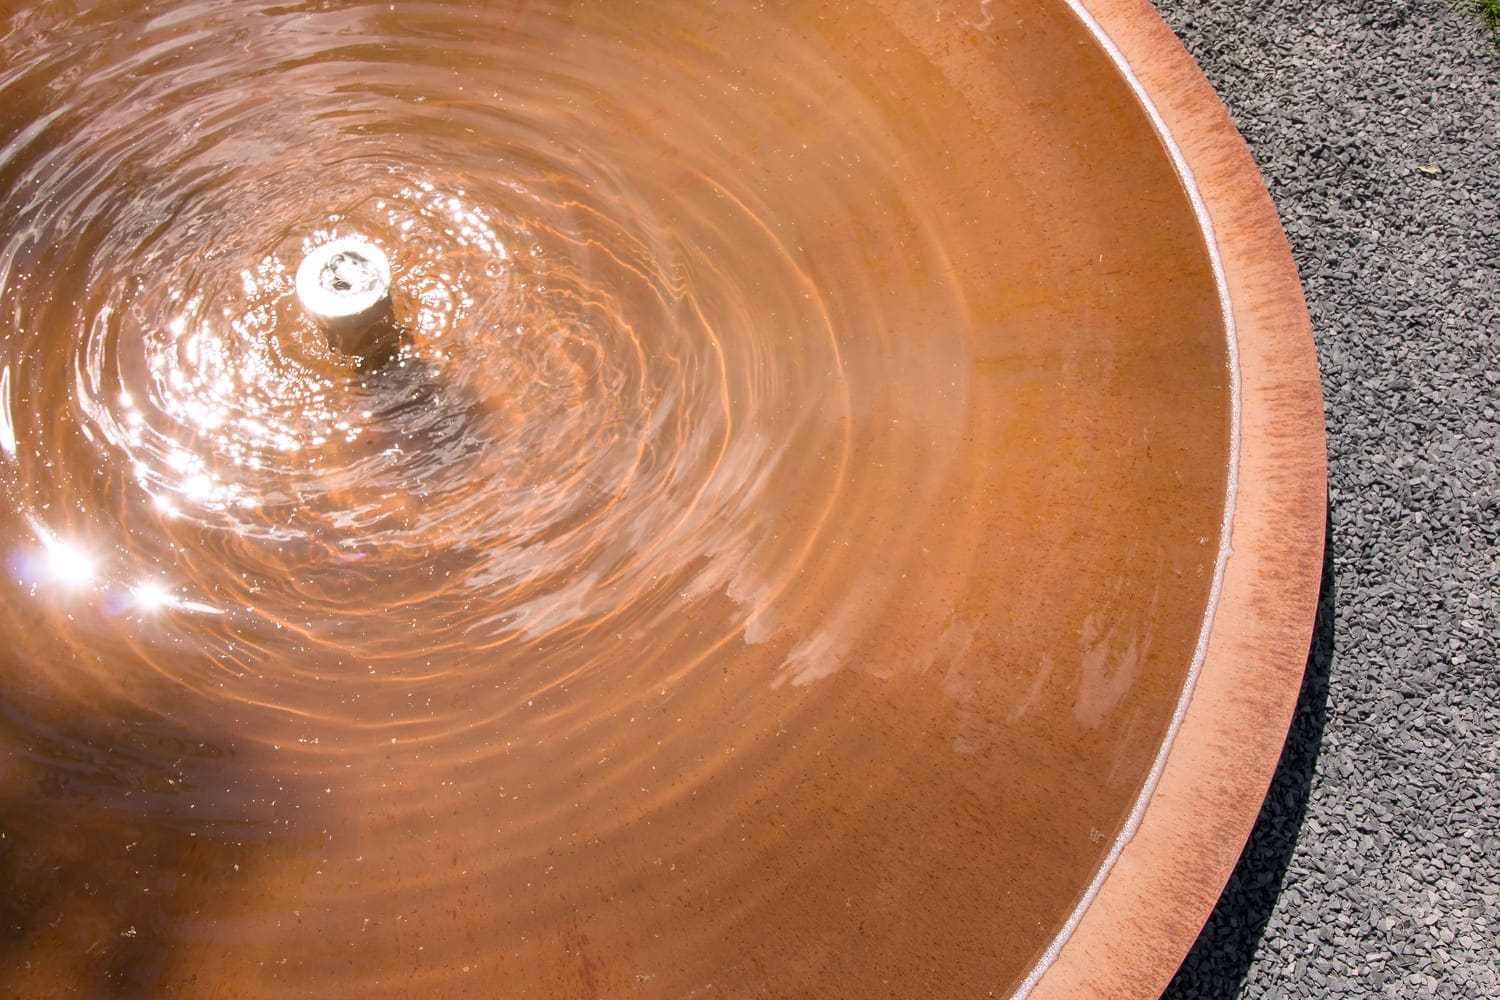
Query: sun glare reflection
point(61, 565)
point(149, 595)
point(154, 595)
point(67, 563)
point(56, 563)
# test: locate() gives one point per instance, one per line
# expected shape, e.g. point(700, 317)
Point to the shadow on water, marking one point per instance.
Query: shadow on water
point(114, 846)
point(1219, 961)
point(115, 829)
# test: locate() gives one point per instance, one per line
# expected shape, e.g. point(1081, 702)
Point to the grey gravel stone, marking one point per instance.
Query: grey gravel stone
point(1374, 869)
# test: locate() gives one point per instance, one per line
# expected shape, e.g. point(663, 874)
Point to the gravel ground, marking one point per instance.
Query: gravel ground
point(1374, 870)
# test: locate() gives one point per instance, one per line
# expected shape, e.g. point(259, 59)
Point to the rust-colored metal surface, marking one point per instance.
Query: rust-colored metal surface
point(1168, 875)
point(833, 452)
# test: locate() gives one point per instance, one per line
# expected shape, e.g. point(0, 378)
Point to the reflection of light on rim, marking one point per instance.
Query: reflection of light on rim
point(345, 285)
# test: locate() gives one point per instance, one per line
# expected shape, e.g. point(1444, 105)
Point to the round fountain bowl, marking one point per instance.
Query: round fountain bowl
point(843, 520)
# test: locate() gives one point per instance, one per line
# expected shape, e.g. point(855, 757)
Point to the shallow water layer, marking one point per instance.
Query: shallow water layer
point(768, 567)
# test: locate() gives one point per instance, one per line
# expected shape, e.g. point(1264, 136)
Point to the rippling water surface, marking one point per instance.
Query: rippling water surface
point(767, 568)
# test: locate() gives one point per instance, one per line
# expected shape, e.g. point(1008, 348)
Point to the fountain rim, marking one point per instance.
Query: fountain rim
point(1150, 900)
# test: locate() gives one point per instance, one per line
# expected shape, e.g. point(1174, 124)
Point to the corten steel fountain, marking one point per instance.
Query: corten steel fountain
point(813, 501)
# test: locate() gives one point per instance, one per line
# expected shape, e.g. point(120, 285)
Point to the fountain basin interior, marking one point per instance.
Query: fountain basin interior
point(843, 518)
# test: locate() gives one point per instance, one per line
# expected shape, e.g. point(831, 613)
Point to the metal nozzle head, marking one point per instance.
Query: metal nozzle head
point(345, 287)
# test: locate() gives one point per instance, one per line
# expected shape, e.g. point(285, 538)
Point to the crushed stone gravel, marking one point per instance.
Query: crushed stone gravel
point(1374, 869)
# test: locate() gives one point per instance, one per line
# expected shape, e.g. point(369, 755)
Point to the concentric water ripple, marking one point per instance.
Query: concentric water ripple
point(689, 598)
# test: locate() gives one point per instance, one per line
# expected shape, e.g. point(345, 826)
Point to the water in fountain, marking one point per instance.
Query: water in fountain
point(769, 559)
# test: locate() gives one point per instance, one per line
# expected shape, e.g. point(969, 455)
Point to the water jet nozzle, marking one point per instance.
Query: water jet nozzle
point(345, 287)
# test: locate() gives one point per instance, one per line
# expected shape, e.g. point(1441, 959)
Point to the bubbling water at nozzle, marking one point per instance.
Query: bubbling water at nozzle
point(345, 288)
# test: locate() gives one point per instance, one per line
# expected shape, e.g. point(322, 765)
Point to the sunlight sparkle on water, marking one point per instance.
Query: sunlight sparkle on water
point(59, 563)
point(67, 563)
point(149, 595)
point(154, 595)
